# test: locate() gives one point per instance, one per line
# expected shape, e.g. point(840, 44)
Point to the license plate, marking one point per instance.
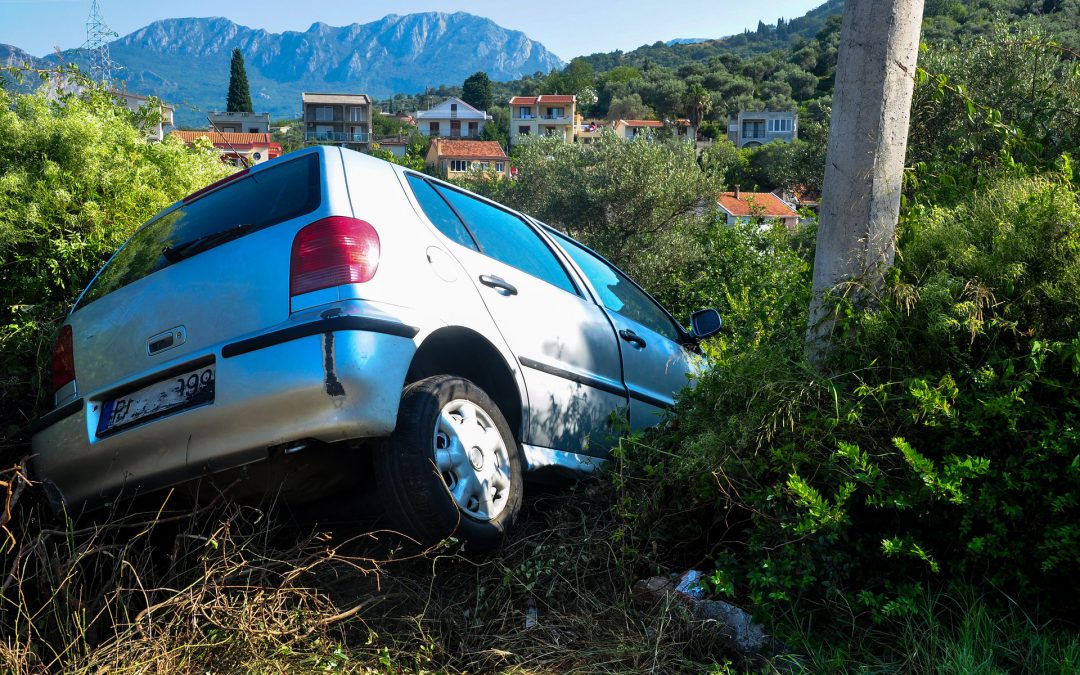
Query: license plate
point(180, 391)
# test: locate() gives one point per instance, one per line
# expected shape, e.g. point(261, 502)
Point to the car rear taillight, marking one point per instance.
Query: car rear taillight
point(63, 361)
point(331, 252)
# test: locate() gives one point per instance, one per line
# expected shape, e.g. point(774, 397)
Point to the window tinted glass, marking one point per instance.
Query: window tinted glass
point(508, 239)
point(259, 200)
point(618, 293)
point(440, 215)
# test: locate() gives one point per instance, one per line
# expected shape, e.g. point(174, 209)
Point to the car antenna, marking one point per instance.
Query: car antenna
point(243, 159)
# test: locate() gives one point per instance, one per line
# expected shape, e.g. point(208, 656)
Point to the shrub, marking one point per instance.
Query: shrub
point(940, 443)
point(77, 176)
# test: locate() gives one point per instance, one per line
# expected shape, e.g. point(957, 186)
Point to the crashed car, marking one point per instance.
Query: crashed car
point(331, 299)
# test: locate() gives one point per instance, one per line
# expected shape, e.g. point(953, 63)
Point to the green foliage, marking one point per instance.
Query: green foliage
point(239, 96)
point(941, 442)
point(476, 91)
point(76, 178)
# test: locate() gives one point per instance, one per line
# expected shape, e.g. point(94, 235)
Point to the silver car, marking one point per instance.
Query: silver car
point(328, 298)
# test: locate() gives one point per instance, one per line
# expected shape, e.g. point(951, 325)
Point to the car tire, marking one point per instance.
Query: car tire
point(452, 467)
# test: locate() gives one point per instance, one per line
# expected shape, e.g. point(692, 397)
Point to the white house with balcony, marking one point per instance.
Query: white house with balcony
point(453, 118)
point(751, 129)
point(546, 115)
point(343, 119)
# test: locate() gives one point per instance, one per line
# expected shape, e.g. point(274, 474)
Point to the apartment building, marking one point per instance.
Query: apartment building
point(547, 115)
point(343, 119)
point(135, 103)
point(240, 122)
point(453, 118)
point(750, 129)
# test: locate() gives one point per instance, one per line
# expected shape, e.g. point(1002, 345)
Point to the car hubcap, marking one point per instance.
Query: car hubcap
point(472, 458)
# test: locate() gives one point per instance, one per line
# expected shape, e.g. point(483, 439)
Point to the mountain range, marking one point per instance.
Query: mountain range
point(186, 61)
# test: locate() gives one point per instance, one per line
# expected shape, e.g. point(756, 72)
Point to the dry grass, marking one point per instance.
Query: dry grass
point(230, 588)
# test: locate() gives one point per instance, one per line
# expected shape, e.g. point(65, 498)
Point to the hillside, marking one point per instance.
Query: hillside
point(186, 61)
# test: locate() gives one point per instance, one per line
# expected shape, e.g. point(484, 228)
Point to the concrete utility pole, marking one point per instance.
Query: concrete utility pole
point(864, 167)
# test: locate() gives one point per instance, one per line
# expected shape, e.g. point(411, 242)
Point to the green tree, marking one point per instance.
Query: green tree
point(239, 97)
point(78, 177)
point(629, 107)
point(698, 104)
point(476, 91)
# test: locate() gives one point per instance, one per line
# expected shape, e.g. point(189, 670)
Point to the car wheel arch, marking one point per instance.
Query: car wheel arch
point(462, 352)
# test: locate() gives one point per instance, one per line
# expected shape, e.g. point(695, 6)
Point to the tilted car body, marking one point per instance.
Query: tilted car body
point(294, 302)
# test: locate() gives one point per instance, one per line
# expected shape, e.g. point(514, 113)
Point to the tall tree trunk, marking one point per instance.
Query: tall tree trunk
point(860, 203)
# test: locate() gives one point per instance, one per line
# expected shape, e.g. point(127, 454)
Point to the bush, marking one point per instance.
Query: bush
point(77, 177)
point(939, 444)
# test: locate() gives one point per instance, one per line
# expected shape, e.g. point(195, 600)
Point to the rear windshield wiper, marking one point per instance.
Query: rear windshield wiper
point(189, 248)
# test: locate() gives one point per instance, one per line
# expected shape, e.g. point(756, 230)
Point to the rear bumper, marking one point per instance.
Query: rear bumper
point(328, 381)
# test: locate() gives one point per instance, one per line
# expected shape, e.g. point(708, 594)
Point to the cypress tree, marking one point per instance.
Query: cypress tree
point(239, 98)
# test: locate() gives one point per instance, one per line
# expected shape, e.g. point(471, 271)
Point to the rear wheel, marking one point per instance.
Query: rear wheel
point(452, 466)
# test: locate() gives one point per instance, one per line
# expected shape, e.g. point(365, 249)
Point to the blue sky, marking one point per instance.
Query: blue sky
point(567, 28)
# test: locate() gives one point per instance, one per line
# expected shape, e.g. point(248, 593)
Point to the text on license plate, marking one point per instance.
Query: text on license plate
point(179, 391)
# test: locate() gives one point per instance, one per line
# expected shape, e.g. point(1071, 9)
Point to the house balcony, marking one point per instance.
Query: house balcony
point(555, 117)
point(335, 137)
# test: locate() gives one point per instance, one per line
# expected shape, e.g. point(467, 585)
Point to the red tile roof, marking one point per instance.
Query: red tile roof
point(543, 98)
point(454, 149)
point(223, 137)
point(642, 123)
point(755, 204)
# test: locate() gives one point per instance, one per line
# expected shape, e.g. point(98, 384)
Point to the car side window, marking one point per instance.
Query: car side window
point(439, 212)
point(505, 237)
point(618, 293)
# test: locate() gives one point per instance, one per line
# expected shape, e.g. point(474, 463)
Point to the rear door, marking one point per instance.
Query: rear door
point(564, 343)
point(213, 268)
point(655, 364)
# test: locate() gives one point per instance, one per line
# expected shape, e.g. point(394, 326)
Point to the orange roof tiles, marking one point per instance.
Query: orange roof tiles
point(763, 204)
point(223, 137)
point(642, 123)
point(543, 98)
point(455, 149)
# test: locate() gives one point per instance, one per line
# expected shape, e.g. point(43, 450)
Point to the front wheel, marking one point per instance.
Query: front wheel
point(452, 466)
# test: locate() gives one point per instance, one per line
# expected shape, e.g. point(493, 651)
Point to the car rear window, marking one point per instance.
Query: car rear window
point(253, 202)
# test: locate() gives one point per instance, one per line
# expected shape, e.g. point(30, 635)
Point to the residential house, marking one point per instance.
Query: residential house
point(344, 119)
point(398, 147)
point(239, 149)
point(751, 129)
point(683, 130)
point(453, 118)
point(240, 122)
point(135, 103)
point(587, 132)
point(457, 157)
point(548, 115)
point(745, 207)
point(632, 129)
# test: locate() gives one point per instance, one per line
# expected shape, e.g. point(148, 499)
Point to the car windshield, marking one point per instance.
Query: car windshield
point(245, 205)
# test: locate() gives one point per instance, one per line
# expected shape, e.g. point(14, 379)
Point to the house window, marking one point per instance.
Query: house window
point(459, 165)
point(524, 113)
point(499, 167)
point(356, 114)
point(324, 114)
point(779, 126)
point(433, 128)
point(523, 131)
point(553, 113)
point(453, 107)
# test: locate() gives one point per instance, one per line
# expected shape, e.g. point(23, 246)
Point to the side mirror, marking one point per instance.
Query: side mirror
point(705, 322)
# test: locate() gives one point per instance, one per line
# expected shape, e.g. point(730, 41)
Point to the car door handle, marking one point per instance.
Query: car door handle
point(498, 283)
point(632, 337)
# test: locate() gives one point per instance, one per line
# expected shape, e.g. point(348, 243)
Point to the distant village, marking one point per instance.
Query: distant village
point(454, 134)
